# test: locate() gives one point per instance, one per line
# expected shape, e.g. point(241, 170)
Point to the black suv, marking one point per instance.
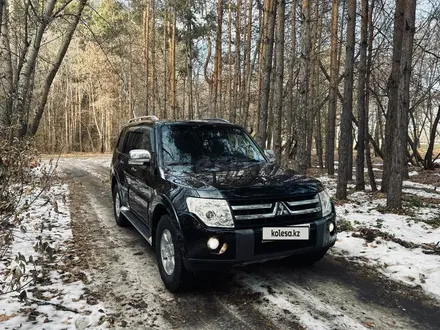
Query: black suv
point(206, 196)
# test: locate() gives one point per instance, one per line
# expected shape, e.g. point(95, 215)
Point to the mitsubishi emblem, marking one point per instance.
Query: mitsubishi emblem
point(282, 210)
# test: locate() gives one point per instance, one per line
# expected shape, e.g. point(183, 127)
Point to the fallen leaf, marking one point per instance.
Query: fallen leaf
point(4, 317)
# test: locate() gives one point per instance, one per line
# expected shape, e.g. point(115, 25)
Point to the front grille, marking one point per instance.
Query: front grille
point(270, 212)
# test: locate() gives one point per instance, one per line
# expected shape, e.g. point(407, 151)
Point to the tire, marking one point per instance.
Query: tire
point(174, 277)
point(119, 217)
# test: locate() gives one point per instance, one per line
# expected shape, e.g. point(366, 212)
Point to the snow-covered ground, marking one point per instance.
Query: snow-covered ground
point(404, 247)
point(41, 281)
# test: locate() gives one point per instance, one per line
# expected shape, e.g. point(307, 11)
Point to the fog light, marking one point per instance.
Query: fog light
point(213, 243)
point(223, 249)
point(331, 227)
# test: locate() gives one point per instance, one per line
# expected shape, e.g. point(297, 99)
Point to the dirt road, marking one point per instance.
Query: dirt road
point(333, 294)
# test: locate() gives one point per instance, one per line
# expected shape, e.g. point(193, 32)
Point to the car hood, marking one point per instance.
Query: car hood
point(237, 181)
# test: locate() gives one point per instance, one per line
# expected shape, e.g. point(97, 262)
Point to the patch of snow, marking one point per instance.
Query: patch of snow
point(48, 219)
point(363, 212)
point(422, 193)
point(410, 266)
point(417, 185)
point(413, 173)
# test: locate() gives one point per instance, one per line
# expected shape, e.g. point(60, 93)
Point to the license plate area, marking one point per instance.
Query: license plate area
point(290, 233)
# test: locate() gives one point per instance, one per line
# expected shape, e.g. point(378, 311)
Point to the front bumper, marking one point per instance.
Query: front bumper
point(245, 245)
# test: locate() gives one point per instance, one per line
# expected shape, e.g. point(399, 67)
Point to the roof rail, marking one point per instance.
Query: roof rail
point(143, 118)
point(220, 120)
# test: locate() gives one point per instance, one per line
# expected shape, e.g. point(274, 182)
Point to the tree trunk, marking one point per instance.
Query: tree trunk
point(399, 161)
point(279, 78)
point(209, 80)
point(218, 59)
point(230, 73)
point(391, 124)
point(266, 72)
point(332, 102)
point(25, 88)
point(8, 84)
point(153, 58)
point(165, 64)
point(347, 113)
point(146, 32)
point(367, 97)
point(291, 106)
point(362, 119)
point(173, 97)
point(428, 163)
point(238, 99)
point(303, 115)
point(247, 73)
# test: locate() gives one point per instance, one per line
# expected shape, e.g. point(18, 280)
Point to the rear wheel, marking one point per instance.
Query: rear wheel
point(117, 204)
point(169, 256)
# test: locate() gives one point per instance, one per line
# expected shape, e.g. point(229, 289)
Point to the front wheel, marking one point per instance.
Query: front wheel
point(169, 256)
point(117, 204)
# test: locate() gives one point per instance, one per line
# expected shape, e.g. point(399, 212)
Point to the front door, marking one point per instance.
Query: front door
point(141, 178)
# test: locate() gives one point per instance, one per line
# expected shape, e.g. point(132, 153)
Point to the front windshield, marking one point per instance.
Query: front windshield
point(189, 144)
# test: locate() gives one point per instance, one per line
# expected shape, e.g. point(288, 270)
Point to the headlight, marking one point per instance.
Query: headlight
point(213, 212)
point(326, 203)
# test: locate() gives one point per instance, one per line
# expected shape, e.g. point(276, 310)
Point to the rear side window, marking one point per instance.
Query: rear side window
point(121, 140)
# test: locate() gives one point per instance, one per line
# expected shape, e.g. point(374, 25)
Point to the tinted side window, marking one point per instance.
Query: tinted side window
point(137, 140)
point(121, 140)
point(132, 141)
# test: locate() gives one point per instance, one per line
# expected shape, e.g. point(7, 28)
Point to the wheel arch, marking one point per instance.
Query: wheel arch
point(162, 206)
point(114, 183)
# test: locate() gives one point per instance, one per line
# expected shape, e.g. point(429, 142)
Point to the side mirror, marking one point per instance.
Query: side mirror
point(270, 154)
point(139, 157)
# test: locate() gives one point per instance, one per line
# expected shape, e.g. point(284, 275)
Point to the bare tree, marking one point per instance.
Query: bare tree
point(266, 70)
point(303, 115)
point(399, 147)
point(332, 100)
point(346, 118)
point(279, 77)
point(55, 67)
point(362, 119)
point(391, 128)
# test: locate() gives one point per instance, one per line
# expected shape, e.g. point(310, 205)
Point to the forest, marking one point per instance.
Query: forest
point(327, 83)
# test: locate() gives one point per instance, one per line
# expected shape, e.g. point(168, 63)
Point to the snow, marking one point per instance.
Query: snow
point(410, 266)
point(362, 211)
point(58, 302)
point(414, 229)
